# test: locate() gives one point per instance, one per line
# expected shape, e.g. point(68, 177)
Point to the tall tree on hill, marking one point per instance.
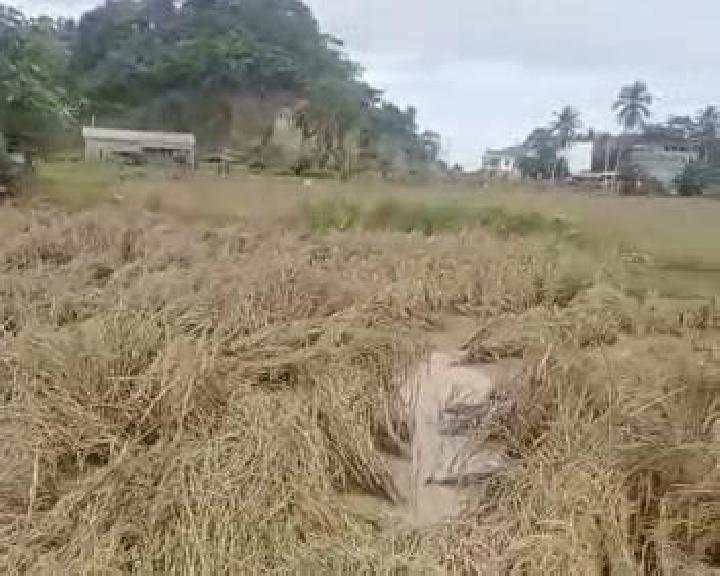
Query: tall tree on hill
point(633, 106)
point(332, 110)
point(131, 52)
point(566, 124)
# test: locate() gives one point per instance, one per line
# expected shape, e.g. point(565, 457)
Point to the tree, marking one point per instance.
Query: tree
point(707, 121)
point(34, 96)
point(633, 106)
point(542, 160)
point(330, 113)
point(566, 124)
point(693, 180)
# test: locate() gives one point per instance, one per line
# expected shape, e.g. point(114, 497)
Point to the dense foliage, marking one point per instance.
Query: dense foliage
point(696, 178)
point(128, 52)
point(173, 65)
point(35, 92)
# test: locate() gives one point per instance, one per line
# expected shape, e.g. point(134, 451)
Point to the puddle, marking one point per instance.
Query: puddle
point(446, 401)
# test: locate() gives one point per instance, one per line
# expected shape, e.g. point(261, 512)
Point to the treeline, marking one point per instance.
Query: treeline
point(633, 111)
point(220, 68)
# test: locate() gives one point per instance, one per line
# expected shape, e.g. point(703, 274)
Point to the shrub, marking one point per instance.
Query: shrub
point(692, 181)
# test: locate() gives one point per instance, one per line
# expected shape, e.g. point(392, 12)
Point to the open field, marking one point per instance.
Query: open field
point(203, 376)
point(679, 234)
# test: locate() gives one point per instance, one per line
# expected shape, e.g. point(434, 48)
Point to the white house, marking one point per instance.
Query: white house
point(578, 156)
point(503, 162)
point(103, 144)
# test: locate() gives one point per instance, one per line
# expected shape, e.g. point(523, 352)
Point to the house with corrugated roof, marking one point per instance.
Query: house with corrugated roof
point(108, 144)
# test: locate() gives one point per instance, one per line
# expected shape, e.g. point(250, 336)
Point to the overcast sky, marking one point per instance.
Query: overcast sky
point(484, 72)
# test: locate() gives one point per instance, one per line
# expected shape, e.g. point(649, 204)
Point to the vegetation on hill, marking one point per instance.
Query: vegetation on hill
point(196, 65)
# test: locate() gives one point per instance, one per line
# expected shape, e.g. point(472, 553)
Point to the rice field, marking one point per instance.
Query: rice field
point(202, 376)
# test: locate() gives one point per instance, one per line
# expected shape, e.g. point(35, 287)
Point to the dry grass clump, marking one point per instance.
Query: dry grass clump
point(598, 316)
point(616, 433)
point(182, 399)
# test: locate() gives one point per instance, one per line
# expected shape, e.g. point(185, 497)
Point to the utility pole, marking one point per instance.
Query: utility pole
point(607, 183)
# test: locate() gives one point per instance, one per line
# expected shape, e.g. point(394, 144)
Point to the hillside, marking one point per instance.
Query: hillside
point(220, 68)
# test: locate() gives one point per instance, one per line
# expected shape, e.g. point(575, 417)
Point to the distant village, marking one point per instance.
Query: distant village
point(678, 156)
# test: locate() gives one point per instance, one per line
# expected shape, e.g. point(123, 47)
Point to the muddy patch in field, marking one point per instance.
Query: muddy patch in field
point(447, 404)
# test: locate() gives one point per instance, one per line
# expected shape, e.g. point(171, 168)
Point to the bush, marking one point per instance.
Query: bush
point(693, 180)
point(428, 218)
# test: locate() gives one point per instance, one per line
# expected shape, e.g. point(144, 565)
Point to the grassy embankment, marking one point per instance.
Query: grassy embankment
point(196, 372)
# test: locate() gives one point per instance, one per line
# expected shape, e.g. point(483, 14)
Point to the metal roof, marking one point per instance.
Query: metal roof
point(150, 139)
point(512, 151)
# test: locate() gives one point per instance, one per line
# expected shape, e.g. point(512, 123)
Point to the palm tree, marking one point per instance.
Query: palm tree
point(566, 124)
point(542, 158)
point(633, 106)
